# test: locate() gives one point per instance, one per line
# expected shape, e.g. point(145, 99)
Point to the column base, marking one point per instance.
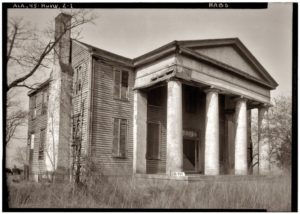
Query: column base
point(211, 172)
point(241, 172)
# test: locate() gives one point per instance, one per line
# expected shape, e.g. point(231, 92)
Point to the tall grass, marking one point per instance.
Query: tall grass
point(125, 192)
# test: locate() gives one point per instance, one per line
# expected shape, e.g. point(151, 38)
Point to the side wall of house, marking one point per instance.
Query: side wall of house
point(104, 109)
point(35, 125)
point(80, 100)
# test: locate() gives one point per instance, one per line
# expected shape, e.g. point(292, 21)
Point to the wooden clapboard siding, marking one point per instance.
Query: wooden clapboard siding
point(158, 115)
point(104, 109)
point(35, 125)
point(81, 57)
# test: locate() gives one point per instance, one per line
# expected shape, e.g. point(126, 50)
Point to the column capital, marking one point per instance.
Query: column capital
point(212, 89)
point(264, 106)
point(240, 99)
point(173, 79)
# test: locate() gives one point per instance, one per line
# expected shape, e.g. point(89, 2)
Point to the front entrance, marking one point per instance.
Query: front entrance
point(190, 154)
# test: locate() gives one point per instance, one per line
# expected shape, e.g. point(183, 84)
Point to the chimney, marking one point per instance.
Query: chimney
point(59, 121)
point(62, 49)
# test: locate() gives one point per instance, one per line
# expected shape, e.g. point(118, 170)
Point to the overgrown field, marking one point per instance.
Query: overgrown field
point(125, 192)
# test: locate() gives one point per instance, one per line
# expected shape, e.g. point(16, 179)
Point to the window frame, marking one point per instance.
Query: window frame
point(78, 80)
point(120, 84)
point(148, 157)
point(119, 153)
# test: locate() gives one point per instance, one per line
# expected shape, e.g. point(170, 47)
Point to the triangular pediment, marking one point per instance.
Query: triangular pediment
point(228, 55)
point(232, 53)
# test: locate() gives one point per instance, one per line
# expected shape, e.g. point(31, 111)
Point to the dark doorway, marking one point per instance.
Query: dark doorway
point(189, 155)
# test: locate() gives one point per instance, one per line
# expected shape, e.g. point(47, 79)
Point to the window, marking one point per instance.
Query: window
point(121, 84)
point(42, 144)
point(78, 79)
point(34, 107)
point(153, 140)
point(45, 101)
point(155, 97)
point(119, 138)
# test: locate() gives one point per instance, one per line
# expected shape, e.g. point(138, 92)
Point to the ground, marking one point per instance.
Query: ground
point(272, 194)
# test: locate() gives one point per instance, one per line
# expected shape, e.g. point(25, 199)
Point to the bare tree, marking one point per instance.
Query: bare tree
point(21, 155)
point(15, 118)
point(30, 50)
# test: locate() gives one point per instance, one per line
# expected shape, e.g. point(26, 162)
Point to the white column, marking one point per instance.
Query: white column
point(139, 131)
point(212, 133)
point(240, 142)
point(263, 142)
point(174, 162)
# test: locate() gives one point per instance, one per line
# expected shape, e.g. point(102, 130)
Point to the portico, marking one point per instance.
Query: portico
point(191, 108)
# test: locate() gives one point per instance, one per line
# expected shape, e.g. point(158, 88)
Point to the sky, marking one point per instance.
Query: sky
point(267, 33)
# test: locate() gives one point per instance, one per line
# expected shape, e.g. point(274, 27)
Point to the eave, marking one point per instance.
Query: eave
point(158, 53)
point(39, 88)
point(100, 53)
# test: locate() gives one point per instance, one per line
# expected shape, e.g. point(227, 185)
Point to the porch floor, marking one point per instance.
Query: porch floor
point(206, 178)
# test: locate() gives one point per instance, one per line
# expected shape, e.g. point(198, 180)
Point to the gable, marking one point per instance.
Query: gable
point(227, 54)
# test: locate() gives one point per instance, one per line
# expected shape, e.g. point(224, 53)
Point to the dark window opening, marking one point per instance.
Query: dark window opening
point(155, 97)
point(153, 141)
point(119, 138)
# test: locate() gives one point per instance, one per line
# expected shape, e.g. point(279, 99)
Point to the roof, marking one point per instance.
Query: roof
point(39, 87)
point(103, 53)
point(185, 47)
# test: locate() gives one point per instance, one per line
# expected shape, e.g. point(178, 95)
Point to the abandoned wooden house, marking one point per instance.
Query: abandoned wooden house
point(181, 109)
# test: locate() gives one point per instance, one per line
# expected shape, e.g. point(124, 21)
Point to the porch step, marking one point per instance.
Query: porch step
point(205, 178)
